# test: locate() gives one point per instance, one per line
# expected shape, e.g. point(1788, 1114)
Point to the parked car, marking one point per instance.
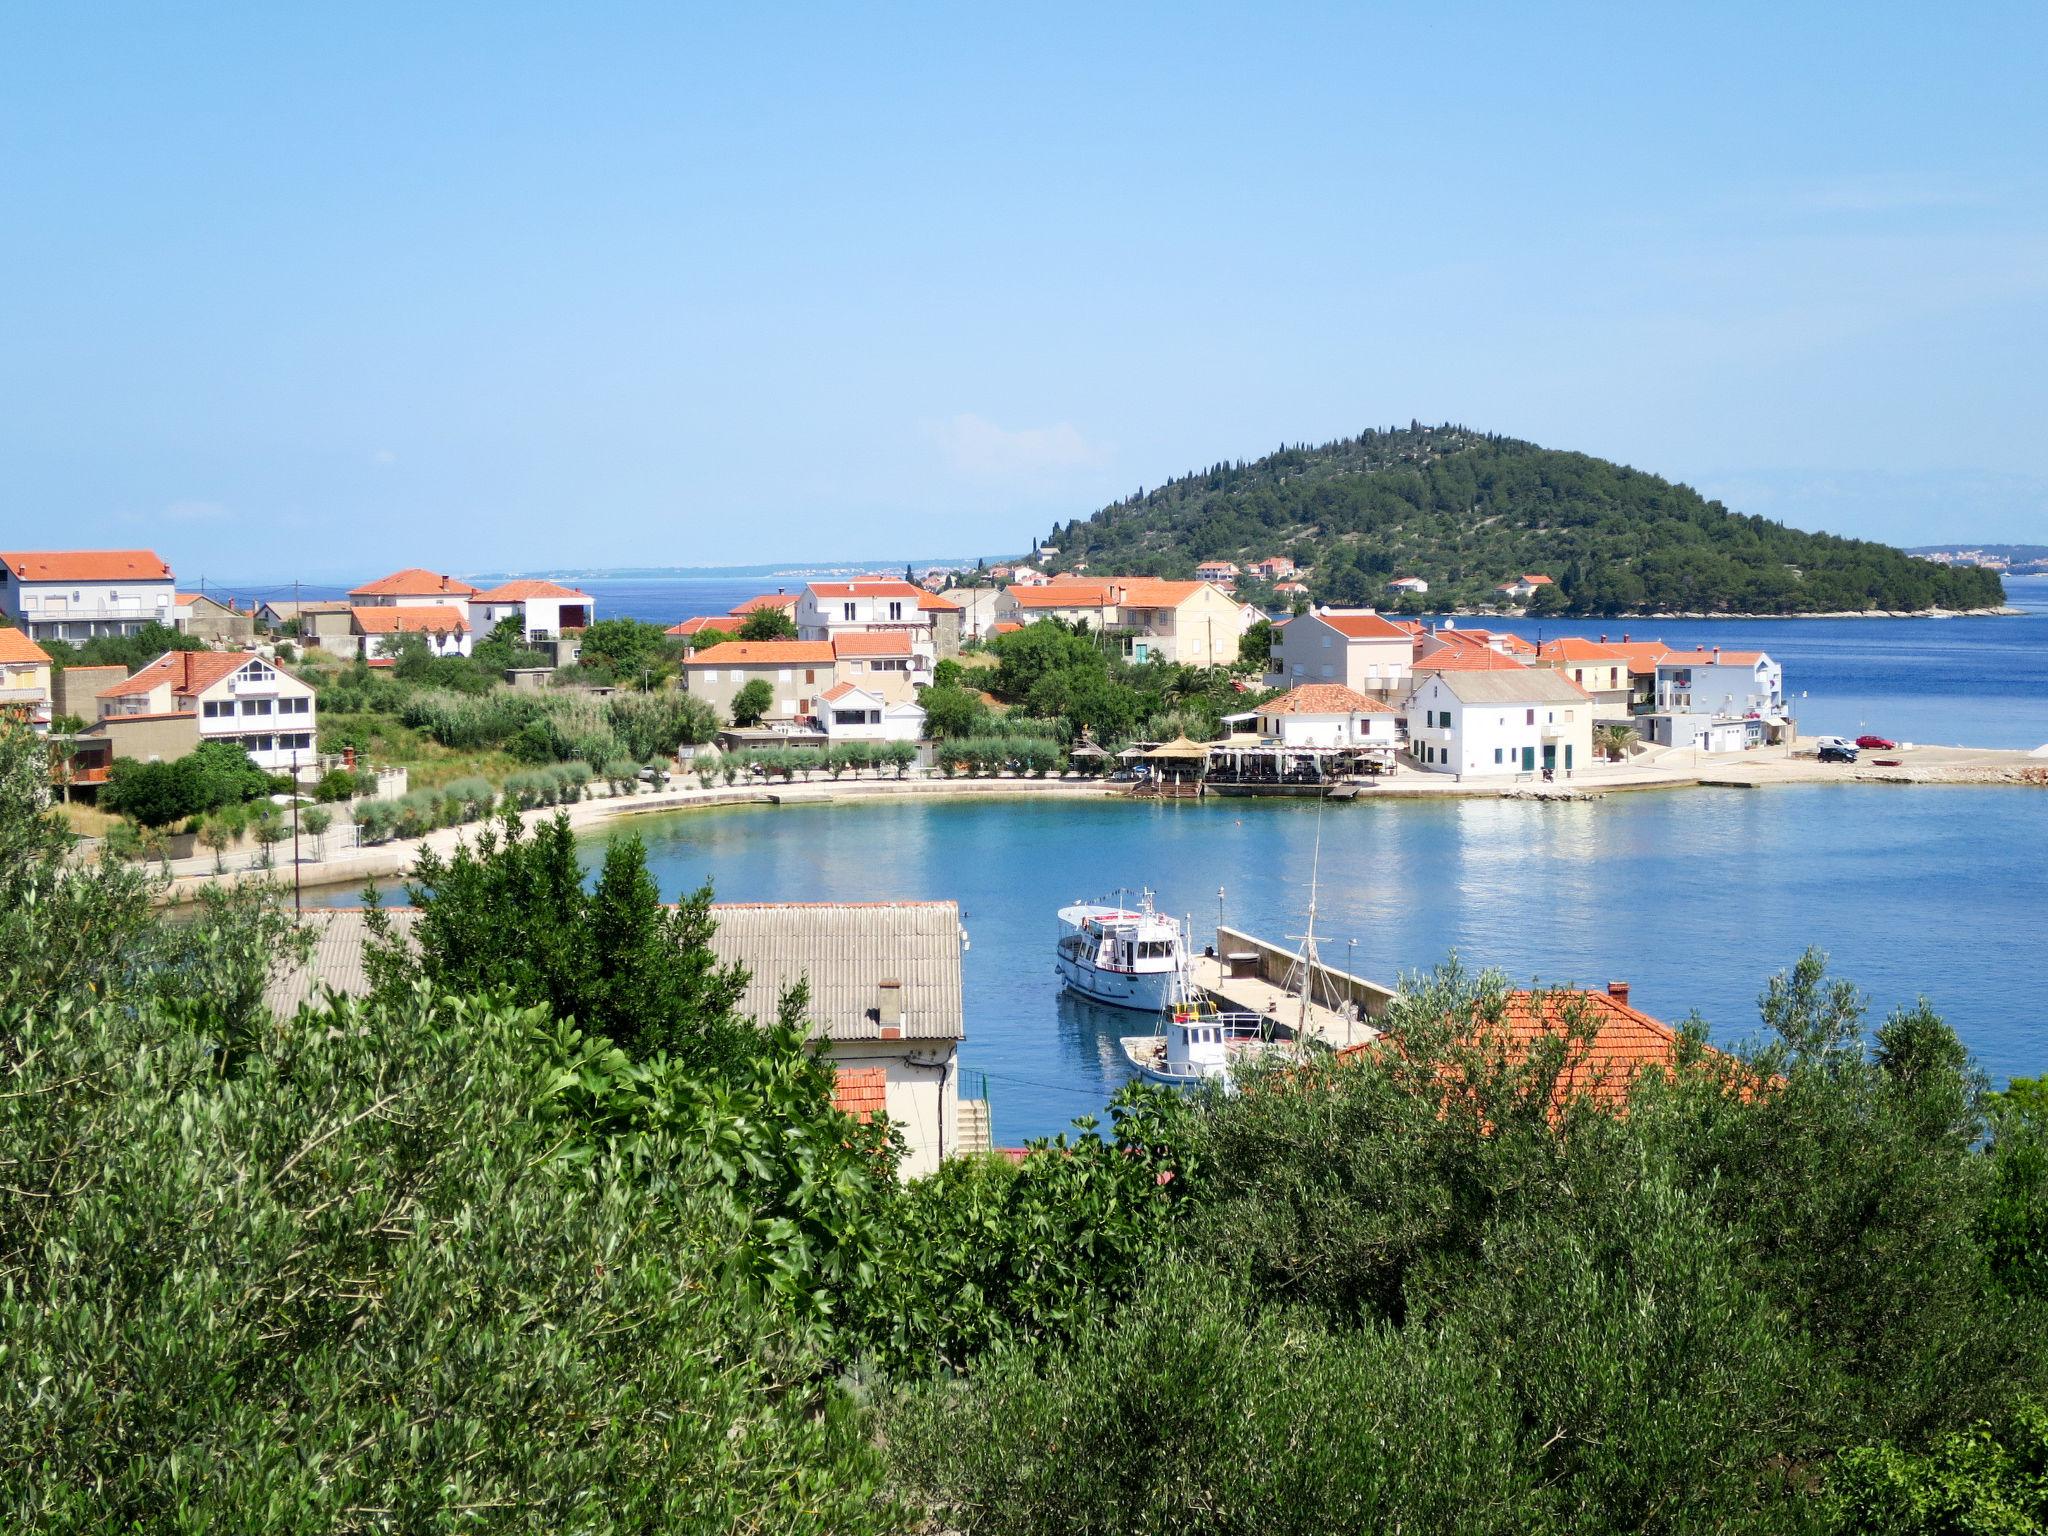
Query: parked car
point(1876, 743)
point(1838, 752)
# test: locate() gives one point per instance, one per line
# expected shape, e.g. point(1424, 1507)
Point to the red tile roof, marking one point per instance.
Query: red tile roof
point(867, 586)
point(414, 582)
point(1364, 626)
point(839, 691)
point(17, 648)
point(703, 621)
point(765, 600)
point(937, 602)
point(1710, 658)
point(188, 673)
point(86, 565)
point(1324, 699)
point(1064, 594)
point(862, 1092)
point(765, 653)
point(1477, 658)
point(526, 587)
point(883, 642)
point(1642, 655)
point(1576, 648)
point(428, 619)
point(1007, 627)
point(1609, 1044)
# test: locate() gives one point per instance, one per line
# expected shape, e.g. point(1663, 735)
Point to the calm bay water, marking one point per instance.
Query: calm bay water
point(1694, 896)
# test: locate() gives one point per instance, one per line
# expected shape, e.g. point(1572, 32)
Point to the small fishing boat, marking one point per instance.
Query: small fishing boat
point(1197, 1043)
point(1128, 957)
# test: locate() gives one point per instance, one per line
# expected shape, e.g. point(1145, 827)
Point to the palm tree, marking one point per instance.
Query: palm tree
point(1615, 741)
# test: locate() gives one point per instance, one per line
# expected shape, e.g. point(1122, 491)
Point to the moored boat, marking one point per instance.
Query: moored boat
point(1128, 957)
point(1198, 1044)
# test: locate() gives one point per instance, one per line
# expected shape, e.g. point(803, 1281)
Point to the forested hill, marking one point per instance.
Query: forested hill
point(1466, 511)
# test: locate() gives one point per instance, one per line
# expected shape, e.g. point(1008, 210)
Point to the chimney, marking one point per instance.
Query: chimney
point(1717, 655)
point(1603, 637)
point(1624, 637)
point(889, 1009)
point(1618, 990)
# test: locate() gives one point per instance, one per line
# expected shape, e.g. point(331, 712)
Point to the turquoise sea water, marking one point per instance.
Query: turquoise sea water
point(1694, 896)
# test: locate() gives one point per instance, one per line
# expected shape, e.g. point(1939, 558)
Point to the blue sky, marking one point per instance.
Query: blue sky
point(298, 291)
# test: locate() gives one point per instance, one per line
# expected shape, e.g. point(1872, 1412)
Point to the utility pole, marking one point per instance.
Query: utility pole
point(298, 870)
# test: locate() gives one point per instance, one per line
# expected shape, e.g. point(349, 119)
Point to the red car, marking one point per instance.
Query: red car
point(1875, 743)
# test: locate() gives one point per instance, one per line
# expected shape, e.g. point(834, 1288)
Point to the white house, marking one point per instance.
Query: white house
point(1413, 584)
point(546, 610)
point(444, 627)
point(414, 588)
point(1506, 721)
point(850, 712)
point(75, 594)
point(1326, 715)
point(1354, 647)
point(890, 662)
point(1718, 700)
point(1523, 586)
point(886, 1005)
point(1192, 623)
point(827, 609)
point(233, 695)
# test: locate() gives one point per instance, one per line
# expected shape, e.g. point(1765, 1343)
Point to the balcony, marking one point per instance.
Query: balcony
point(23, 695)
point(253, 687)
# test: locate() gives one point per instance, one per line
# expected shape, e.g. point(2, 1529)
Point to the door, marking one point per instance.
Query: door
point(1549, 758)
point(1528, 759)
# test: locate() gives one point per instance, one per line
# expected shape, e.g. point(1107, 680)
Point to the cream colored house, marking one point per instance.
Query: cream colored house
point(886, 1004)
point(1600, 670)
point(1189, 623)
point(24, 680)
point(796, 672)
point(1354, 648)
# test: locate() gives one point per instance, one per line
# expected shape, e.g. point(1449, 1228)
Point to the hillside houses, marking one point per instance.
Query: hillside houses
point(1189, 623)
point(184, 698)
point(79, 594)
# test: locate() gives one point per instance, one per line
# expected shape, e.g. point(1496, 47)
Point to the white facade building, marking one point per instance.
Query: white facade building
point(545, 609)
point(233, 695)
point(76, 594)
point(444, 627)
point(1507, 722)
point(849, 712)
point(1325, 715)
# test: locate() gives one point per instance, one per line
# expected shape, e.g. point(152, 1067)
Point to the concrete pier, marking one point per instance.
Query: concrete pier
point(1249, 975)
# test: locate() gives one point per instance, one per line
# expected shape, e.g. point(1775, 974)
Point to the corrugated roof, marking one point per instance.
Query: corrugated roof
point(86, 565)
point(846, 950)
point(1519, 685)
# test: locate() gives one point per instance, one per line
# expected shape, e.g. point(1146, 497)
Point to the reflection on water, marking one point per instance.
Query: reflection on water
point(1092, 1034)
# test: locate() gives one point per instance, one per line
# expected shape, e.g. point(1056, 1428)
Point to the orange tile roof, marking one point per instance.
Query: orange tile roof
point(867, 586)
point(883, 642)
point(1364, 626)
point(1324, 699)
point(188, 673)
point(703, 621)
point(1150, 592)
point(414, 582)
point(1005, 627)
point(1477, 658)
point(1643, 655)
point(86, 565)
point(1064, 594)
point(862, 1092)
point(17, 648)
point(526, 587)
point(1710, 658)
point(429, 619)
point(765, 653)
point(839, 691)
point(765, 600)
point(1609, 1044)
point(937, 602)
point(1577, 648)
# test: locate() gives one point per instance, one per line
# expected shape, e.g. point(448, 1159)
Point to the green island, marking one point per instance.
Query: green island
point(540, 1234)
point(1468, 511)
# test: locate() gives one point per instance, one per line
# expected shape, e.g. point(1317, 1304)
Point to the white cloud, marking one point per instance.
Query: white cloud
point(976, 446)
point(196, 512)
point(383, 458)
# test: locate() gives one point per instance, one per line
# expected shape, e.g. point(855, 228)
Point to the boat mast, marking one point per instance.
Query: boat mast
point(1308, 937)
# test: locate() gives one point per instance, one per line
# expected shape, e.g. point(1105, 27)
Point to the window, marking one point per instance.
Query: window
point(255, 706)
point(1498, 755)
point(299, 706)
point(213, 709)
point(810, 674)
point(895, 610)
point(1532, 718)
point(846, 612)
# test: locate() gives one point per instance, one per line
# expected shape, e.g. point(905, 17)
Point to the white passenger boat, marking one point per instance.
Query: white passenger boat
point(1128, 957)
point(1195, 1044)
